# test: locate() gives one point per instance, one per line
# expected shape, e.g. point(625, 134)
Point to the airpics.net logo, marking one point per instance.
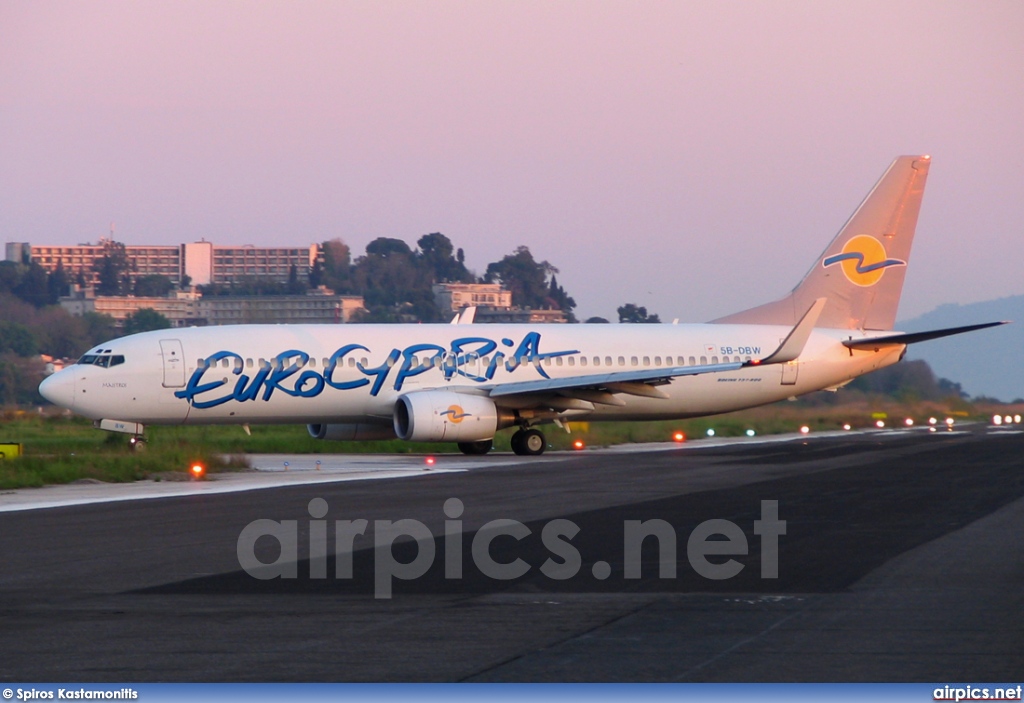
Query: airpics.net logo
point(710, 548)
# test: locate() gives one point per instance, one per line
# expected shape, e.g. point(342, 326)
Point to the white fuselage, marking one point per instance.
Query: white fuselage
point(355, 373)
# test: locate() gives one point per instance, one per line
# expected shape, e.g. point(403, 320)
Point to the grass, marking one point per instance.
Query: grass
point(62, 449)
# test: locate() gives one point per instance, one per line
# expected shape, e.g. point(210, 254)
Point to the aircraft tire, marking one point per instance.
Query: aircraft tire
point(476, 448)
point(529, 443)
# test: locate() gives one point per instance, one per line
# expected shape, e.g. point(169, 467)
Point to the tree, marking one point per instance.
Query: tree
point(10, 276)
point(593, 320)
point(57, 284)
point(145, 320)
point(33, 287)
point(436, 255)
point(295, 286)
point(525, 277)
point(631, 313)
point(113, 270)
point(17, 338)
point(152, 286)
point(99, 328)
point(337, 266)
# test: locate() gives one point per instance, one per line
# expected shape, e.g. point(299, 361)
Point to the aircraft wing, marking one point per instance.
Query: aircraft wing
point(643, 382)
point(911, 338)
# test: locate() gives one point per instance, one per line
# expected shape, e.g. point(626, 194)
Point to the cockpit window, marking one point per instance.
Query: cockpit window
point(104, 360)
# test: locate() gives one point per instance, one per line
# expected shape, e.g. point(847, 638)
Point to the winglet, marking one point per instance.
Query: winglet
point(793, 345)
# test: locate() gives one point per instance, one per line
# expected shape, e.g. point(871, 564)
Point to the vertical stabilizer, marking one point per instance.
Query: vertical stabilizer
point(861, 272)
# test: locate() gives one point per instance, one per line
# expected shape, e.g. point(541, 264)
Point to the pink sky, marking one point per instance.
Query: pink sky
point(694, 158)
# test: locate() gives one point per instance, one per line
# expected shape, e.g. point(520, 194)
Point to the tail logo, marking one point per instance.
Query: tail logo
point(455, 413)
point(863, 260)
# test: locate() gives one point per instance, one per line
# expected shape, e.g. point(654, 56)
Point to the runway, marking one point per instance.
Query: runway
point(901, 560)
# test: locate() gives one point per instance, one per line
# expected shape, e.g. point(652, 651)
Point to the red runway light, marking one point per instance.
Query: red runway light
point(578, 444)
point(429, 461)
point(197, 471)
point(678, 437)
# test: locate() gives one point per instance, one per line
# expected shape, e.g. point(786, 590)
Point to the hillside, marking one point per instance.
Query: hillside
point(986, 363)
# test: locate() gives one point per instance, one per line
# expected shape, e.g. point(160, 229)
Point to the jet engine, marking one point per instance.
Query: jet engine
point(351, 432)
point(443, 416)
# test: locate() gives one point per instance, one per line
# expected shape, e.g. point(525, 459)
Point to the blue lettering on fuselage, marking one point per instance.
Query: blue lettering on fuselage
point(288, 372)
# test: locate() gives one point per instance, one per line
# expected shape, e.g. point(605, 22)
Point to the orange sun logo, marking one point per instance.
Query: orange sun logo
point(455, 413)
point(863, 260)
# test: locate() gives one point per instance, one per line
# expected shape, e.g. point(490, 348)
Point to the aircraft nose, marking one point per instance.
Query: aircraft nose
point(59, 389)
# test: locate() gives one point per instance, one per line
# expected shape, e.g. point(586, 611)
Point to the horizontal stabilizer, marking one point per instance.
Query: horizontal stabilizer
point(913, 337)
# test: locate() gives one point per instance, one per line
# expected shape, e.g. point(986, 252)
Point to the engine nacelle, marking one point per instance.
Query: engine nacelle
point(351, 432)
point(443, 416)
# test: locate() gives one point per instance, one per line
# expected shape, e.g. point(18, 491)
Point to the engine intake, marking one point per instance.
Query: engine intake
point(443, 416)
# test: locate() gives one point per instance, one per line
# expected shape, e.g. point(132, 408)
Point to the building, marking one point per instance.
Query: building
point(181, 307)
point(492, 302)
point(520, 316)
point(319, 306)
point(203, 262)
point(454, 297)
point(190, 308)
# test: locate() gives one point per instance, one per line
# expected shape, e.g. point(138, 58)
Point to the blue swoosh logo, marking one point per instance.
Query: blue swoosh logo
point(861, 268)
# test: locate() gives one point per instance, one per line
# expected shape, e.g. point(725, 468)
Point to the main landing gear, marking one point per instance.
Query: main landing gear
point(476, 448)
point(527, 442)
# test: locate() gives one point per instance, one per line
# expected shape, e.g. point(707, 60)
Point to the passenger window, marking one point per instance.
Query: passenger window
point(647, 361)
point(414, 361)
point(714, 360)
point(513, 363)
point(703, 360)
point(657, 361)
point(486, 361)
point(352, 362)
point(583, 361)
point(693, 362)
point(264, 364)
point(547, 362)
point(736, 359)
point(200, 363)
point(633, 361)
point(225, 362)
point(524, 360)
point(558, 361)
point(312, 362)
point(607, 361)
point(238, 364)
point(248, 363)
point(622, 361)
point(572, 361)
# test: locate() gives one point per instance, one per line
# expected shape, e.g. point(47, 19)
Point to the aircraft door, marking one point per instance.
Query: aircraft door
point(789, 373)
point(174, 363)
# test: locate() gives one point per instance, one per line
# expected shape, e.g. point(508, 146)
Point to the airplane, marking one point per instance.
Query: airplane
point(463, 383)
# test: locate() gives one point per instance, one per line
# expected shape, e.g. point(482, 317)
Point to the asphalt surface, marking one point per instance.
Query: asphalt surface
point(901, 561)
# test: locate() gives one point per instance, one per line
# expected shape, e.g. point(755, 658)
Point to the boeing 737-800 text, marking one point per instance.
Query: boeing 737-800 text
point(463, 383)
